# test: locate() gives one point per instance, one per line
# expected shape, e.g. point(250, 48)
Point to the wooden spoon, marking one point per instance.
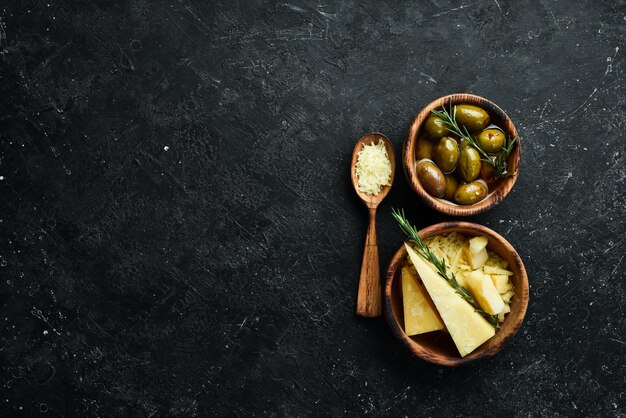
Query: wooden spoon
point(369, 299)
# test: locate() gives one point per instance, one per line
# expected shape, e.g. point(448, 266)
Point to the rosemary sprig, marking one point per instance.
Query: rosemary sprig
point(497, 161)
point(501, 157)
point(440, 265)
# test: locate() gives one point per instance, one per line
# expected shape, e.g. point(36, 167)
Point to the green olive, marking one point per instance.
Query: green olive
point(435, 126)
point(424, 148)
point(451, 186)
point(446, 154)
point(472, 117)
point(491, 139)
point(469, 163)
point(470, 193)
point(431, 178)
point(486, 173)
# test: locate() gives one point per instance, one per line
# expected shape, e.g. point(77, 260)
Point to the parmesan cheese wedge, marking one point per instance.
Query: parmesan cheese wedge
point(484, 292)
point(466, 327)
point(420, 315)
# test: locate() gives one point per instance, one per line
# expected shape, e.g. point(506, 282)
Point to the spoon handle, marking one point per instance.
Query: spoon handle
point(369, 302)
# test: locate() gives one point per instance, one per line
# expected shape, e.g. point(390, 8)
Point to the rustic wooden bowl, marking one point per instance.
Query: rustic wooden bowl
point(496, 195)
point(437, 347)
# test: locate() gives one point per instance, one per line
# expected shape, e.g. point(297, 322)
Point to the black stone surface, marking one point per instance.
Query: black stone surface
point(178, 232)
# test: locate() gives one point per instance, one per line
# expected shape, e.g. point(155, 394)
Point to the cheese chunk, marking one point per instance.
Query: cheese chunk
point(501, 283)
point(420, 315)
point(507, 289)
point(507, 296)
point(507, 309)
point(477, 244)
point(466, 327)
point(476, 259)
point(484, 292)
point(504, 311)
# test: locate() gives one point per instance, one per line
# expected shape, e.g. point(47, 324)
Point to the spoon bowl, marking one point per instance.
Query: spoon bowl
point(369, 298)
point(368, 139)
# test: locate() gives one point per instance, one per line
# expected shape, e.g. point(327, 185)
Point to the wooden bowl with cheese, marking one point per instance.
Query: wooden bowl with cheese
point(442, 323)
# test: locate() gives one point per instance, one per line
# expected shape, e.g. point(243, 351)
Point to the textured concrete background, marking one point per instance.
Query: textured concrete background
point(178, 232)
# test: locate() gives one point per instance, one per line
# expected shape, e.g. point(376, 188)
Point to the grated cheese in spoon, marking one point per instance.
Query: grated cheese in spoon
point(373, 168)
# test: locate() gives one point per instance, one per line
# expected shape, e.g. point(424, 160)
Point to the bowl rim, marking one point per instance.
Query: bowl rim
point(435, 358)
point(408, 159)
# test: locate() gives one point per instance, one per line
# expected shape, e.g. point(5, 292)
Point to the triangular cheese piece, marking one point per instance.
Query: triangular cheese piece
point(420, 315)
point(484, 292)
point(466, 327)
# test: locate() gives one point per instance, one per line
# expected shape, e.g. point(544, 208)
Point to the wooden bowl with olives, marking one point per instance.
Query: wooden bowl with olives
point(462, 154)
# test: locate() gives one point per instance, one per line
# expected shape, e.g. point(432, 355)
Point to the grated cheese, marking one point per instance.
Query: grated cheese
point(373, 168)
